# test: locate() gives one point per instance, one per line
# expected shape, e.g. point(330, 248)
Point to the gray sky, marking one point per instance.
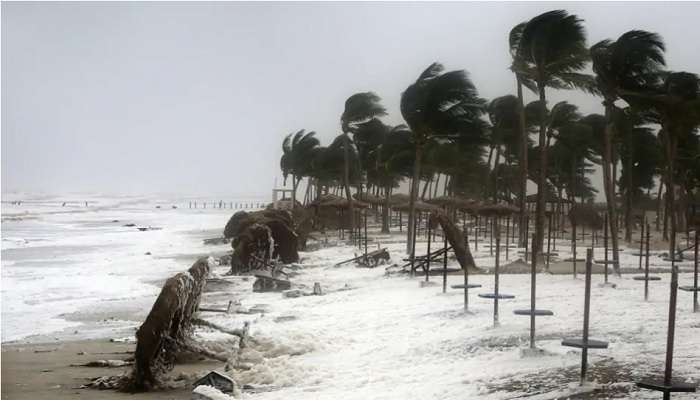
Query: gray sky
point(196, 97)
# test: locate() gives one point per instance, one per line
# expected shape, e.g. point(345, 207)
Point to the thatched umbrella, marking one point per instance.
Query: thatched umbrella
point(496, 210)
point(420, 207)
point(398, 198)
point(369, 198)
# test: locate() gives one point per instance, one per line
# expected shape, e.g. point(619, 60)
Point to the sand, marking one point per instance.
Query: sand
point(44, 371)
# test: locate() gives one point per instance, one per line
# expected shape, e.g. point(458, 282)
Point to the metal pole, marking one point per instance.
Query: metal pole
point(671, 326)
point(641, 244)
point(586, 315)
point(695, 279)
point(533, 282)
point(549, 239)
point(646, 269)
point(427, 265)
point(573, 242)
point(444, 264)
point(507, 234)
point(606, 248)
point(495, 299)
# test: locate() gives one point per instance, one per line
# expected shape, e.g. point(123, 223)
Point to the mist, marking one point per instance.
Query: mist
point(195, 98)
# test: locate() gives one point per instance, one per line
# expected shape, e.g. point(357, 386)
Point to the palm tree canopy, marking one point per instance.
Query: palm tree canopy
point(552, 48)
point(443, 105)
point(629, 64)
point(296, 150)
point(359, 108)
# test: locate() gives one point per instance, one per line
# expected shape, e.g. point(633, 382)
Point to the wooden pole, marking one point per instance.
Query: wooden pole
point(495, 299)
point(427, 262)
point(641, 244)
point(507, 234)
point(444, 264)
point(606, 248)
point(549, 240)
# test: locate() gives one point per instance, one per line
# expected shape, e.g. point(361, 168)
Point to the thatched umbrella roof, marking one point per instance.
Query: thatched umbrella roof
point(369, 198)
point(549, 198)
point(492, 210)
point(452, 201)
point(331, 200)
point(399, 198)
point(586, 215)
point(420, 206)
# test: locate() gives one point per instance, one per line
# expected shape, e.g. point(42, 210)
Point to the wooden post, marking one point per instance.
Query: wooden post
point(493, 224)
point(696, 307)
point(413, 250)
point(668, 373)
point(366, 261)
point(573, 242)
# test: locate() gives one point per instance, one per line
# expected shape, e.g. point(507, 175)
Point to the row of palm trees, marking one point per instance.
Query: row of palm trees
point(450, 130)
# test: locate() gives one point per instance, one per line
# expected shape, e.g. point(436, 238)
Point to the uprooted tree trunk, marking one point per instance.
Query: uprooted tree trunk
point(456, 239)
point(168, 332)
point(167, 328)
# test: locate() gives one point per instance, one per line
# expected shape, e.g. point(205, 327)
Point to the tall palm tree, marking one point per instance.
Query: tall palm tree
point(675, 102)
point(552, 49)
point(442, 106)
point(394, 158)
point(504, 114)
point(359, 108)
point(628, 65)
point(296, 160)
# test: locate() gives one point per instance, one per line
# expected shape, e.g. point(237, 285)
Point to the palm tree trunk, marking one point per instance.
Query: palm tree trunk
point(542, 179)
point(346, 180)
point(295, 184)
point(628, 200)
point(425, 188)
point(385, 210)
point(437, 183)
point(670, 145)
point(412, 199)
point(658, 203)
point(495, 174)
point(608, 184)
point(523, 164)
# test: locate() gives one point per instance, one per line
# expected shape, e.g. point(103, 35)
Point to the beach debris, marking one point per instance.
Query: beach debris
point(371, 260)
point(293, 293)
point(129, 225)
point(266, 282)
point(105, 364)
point(209, 392)
point(148, 253)
point(317, 289)
point(216, 241)
point(259, 237)
point(150, 228)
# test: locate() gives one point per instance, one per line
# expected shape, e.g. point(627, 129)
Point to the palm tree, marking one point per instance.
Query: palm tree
point(394, 158)
point(296, 150)
point(439, 106)
point(628, 65)
point(675, 102)
point(551, 50)
point(359, 108)
point(504, 114)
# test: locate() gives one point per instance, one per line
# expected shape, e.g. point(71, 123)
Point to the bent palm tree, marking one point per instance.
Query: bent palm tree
point(296, 160)
point(628, 65)
point(439, 106)
point(359, 108)
point(551, 50)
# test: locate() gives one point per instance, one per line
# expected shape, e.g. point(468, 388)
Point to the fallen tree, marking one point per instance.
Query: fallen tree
point(456, 239)
point(167, 333)
point(261, 235)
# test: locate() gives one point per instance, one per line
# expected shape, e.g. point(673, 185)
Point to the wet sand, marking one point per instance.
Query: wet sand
point(44, 371)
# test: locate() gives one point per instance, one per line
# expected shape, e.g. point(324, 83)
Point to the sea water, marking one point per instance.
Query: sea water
point(65, 262)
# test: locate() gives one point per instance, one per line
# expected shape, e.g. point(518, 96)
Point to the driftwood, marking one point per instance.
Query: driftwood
point(456, 239)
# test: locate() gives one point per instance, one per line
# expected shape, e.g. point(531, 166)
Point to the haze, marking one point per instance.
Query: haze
point(195, 98)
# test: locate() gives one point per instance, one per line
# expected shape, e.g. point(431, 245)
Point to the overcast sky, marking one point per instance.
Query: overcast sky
point(196, 98)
